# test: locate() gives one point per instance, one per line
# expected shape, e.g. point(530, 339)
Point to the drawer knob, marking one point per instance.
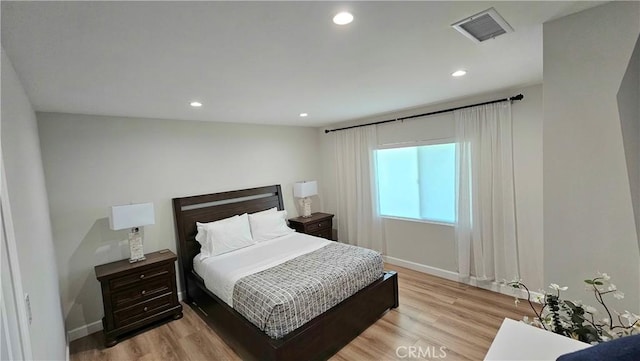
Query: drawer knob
point(145, 309)
point(143, 292)
point(142, 276)
point(319, 225)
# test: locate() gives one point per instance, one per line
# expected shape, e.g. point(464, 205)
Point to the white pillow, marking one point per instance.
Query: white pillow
point(202, 238)
point(270, 210)
point(269, 225)
point(224, 236)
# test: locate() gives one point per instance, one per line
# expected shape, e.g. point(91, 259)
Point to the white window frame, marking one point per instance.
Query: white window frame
point(435, 141)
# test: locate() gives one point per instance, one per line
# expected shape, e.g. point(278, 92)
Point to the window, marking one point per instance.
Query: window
point(417, 182)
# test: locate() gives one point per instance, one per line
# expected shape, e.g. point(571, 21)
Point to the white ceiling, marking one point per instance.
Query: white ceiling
point(265, 62)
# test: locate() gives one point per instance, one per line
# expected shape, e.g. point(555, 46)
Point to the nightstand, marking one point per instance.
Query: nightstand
point(319, 224)
point(137, 295)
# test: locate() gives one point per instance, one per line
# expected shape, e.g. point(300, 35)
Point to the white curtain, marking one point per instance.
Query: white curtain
point(357, 208)
point(486, 225)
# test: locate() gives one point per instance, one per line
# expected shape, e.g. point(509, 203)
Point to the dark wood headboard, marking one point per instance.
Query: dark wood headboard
point(213, 207)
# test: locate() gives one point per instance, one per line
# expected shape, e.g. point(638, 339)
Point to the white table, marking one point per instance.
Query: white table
point(518, 341)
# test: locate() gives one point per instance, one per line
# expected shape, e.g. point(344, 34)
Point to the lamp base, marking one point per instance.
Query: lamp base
point(136, 252)
point(306, 207)
point(137, 259)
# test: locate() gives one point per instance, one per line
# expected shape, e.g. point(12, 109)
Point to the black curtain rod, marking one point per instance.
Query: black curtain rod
point(517, 97)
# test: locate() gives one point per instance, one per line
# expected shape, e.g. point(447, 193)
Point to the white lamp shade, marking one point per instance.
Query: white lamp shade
point(305, 189)
point(131, 215)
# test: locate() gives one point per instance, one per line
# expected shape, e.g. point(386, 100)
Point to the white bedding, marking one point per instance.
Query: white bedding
point(220, 273)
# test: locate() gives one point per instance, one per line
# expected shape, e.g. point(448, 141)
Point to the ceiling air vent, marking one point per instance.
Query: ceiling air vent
point(483, 26)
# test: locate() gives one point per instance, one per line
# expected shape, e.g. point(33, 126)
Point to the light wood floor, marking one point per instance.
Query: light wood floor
point(433, 313)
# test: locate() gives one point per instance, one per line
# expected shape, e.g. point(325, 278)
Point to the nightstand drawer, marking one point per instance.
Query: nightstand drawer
point(322, 233)
point(141, 310)
point(316, 226)
point(142, 292)
point(139, 276)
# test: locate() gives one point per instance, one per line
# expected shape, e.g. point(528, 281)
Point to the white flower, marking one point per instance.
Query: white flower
point(605, 276)
point(632, 317)
point(606, 320)
point(618, 295)
point(591, 310)
point(605, 338)
point(612, 287)
point(555, 286)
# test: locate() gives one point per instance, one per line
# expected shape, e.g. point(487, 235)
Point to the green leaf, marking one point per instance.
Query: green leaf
point(598, 283)
point(588, 282)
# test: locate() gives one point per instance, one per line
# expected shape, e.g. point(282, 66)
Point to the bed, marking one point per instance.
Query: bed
point(316, 339)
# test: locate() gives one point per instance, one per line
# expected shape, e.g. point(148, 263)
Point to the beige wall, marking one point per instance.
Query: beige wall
point(629, 108)
point(30, 213)
point(94, 162)
point(588, 216)
point(433, 245)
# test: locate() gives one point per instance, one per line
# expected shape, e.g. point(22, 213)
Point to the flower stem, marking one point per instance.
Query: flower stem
point(538, 315)
point(598, 297)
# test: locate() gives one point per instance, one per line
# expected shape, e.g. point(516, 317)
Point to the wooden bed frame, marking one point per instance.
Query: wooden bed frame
point(319, 338)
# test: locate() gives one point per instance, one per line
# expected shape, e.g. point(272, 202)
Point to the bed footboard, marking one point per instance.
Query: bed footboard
point(317, 340)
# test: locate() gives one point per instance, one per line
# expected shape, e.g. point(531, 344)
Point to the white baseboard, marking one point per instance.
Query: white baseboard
point(85, 330)
point(90, 328)
point(67, 351)
point(455, 276)
point(434, 271)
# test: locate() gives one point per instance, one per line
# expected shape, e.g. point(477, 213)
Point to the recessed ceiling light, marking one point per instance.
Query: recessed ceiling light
point(343, 18)
point(195, 104)
point(303, 114)
point(459, 73)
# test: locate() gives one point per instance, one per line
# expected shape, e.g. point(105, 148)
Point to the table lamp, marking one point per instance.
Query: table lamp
point(132, 216)
point(304, 190)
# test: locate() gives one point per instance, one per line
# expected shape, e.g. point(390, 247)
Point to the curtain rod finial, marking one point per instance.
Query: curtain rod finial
point(517, 97)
